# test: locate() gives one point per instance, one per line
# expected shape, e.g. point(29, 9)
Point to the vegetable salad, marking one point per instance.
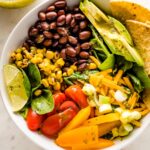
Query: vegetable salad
point(78, 78)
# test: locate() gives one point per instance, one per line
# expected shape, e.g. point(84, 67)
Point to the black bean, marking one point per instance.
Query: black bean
point(68, 18)
point(79, 16)
point(83, 24)
point(60, 4)
point(45, 26)
point(70, 51)
point(51, 15)
point(62, 31)
point(48, 34)
point(55, 44)
point(84, 35)
point(56, 36)
point(75, 29)
point(72, 40)
point(63, 40)
point(85, 46)
point(82, 67)
point(42, 16)
point(81, 61)
point(38, 26)
point(84, 55)
point(39, 39)
point(51, 8)
point(77, 49)
point(63, 53)
point(52, 26)
point(33, 32)
point(47, 43)
point(61, 20)
point(60, 12)
point(73, 23)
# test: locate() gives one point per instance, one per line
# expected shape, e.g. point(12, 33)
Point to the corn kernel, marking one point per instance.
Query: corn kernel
point(60, 80)
point(53, 75)
point(47, 71)
point(59, 74)
point(29, 55)
point(46, 60)
point(53, 67)
point(45, 82)
point(33, 51)
point(18, 56)
point(92, 66)
point(13, 56)
point(60, 62)
point(39, 55)
point(74, 67)
point(38, 92)
point(64, 74)
point(51, 80)
point(19, 50)
point(40, 51)
point(56, 55)
point(70, 71)
point(36, 60)
point(57, 86)
point(49, 54)
point(57, 69)
point(19, 63)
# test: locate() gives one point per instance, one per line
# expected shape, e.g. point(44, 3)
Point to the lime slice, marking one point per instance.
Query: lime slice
point(14, 3)
point(15, 85)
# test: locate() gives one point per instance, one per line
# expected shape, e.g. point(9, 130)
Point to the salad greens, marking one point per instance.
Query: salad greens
point(44, 103)
point(136, 82)
point(142, 75)
point(34, 76)
point(114, 38)
point(99, 45)
point(26, 82)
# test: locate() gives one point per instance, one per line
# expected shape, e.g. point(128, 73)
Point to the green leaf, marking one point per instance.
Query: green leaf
point(142, 75)
point(34, 75)
point(27, 84)
point(43, 104)
point(108, 63)
point(136, 82)
point(126, 66)
point(23, 112)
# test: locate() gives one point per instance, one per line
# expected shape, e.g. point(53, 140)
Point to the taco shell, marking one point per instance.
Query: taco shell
point(140, 33)
point(125, 10)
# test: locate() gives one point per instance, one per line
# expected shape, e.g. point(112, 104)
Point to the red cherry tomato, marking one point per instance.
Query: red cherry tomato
point(59, 98)
point(53, 124)
point(68, 104)
point(76, 94)
point(34, 120)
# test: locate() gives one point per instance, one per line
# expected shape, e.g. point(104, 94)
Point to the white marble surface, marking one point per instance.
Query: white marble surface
point(11, 138)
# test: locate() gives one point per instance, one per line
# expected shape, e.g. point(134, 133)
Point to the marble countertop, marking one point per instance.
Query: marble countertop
point(11, 138)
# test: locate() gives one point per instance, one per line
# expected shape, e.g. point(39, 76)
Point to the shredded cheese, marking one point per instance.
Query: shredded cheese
point(118, 76)
point(128, 83)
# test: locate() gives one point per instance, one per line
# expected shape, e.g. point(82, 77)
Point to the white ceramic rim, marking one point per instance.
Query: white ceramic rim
point(115, 147)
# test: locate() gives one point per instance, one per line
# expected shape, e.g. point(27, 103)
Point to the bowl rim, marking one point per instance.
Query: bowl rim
point(9, 111)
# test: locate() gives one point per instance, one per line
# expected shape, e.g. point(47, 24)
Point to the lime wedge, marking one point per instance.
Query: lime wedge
point(15, 85)
point(14, 3)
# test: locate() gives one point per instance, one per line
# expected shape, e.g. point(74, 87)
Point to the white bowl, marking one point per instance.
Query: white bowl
point(16, 37)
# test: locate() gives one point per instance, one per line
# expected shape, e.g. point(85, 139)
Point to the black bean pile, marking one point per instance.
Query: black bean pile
point(64, 30)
